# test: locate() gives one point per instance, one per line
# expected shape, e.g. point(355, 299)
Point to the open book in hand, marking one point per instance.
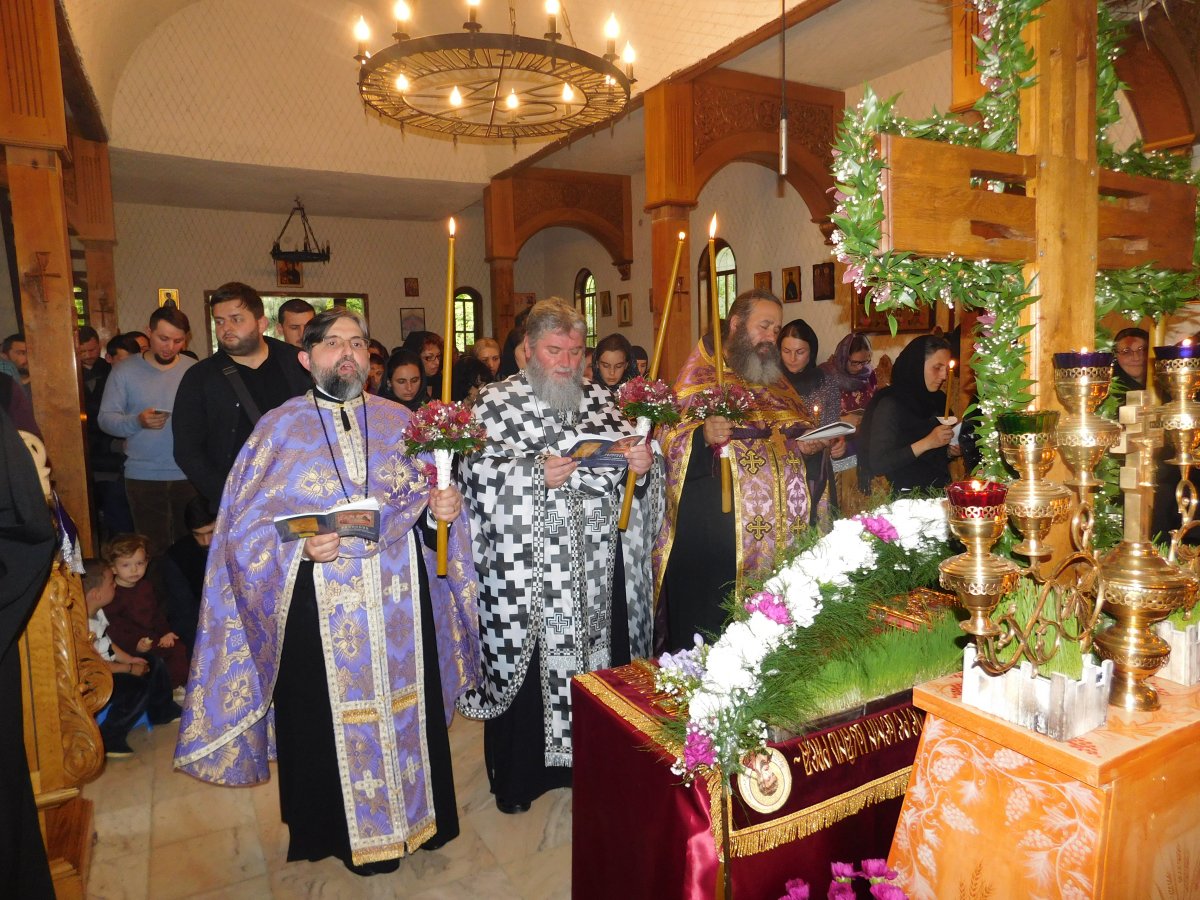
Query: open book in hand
point(828, 432)
point(599, 450)
point(359, 519)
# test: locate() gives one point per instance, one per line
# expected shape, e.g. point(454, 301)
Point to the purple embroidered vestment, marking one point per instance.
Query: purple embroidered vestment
point(369, 606)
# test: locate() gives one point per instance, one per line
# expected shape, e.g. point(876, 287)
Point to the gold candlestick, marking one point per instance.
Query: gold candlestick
point(718, 356)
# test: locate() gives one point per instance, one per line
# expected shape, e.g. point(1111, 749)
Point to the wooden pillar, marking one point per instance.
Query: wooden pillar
point(665, 225)
point(670, 196)
point(33, 131)
point(102, 286)
point(500, 250)
point(503, 302)
point(47, 307)
point(1058, 128)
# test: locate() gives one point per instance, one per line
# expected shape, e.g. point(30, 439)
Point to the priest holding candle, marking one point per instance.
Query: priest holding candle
point(702, 550)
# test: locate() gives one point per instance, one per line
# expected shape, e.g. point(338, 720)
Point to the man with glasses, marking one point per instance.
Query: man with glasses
point(353, 645)
point(1129, 368)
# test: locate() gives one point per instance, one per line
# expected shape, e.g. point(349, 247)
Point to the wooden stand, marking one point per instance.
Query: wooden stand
point(996, 810)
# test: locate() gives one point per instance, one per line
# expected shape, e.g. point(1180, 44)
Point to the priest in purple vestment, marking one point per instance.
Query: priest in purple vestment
point(339, 655)
point(702, 553)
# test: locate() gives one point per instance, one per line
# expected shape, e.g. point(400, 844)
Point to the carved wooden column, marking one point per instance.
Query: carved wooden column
point(33, 132)
point(670, 197)
point(500, 250)
point(88, 187)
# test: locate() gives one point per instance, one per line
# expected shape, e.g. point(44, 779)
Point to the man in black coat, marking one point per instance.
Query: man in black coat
point(27, 542)
point(221, 398)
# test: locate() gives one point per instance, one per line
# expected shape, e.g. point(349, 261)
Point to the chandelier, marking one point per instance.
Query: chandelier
point(492, 85)
point(312, 251)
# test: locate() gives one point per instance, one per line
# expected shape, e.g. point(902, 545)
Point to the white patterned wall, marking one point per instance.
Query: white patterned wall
point(199, 249)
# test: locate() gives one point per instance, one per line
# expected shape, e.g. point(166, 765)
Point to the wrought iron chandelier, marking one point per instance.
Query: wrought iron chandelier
point(492, 86)
point(312, 251)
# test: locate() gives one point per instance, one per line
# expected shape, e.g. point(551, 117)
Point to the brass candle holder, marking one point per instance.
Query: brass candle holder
point(1027, 443)
point(1138, 588)
point(1081, 381)
point(1177, 370)
point(978, 577)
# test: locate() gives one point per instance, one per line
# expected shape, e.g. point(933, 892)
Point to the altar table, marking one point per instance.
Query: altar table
point(639, 832)
point(996, 810)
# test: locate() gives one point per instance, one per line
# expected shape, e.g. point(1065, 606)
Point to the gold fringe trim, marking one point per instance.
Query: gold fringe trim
point(377, 854)
point(358, 716)
point(644, 723)
point(805, 822)
point(416, 840)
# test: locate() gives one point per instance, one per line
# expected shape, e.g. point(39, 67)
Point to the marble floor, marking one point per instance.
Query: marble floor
point(163, 835)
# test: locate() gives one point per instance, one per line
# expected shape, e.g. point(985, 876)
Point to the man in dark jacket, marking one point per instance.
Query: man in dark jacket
point(221, 398)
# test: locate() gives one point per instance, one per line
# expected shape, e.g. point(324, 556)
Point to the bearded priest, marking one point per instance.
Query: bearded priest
point(562, 590)
point(345, 645)
point(702, 553)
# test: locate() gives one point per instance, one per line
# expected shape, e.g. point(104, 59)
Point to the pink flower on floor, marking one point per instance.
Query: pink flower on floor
point(771, 606)
point(880, 527)
point(698, 749)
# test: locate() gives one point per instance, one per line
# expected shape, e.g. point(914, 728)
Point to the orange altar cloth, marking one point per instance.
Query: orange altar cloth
point(995, 810)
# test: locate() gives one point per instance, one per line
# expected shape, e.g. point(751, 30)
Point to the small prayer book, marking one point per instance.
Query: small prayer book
point(359, 519)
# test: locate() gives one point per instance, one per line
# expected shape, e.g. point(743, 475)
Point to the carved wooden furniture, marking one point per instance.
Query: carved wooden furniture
point(64, 683)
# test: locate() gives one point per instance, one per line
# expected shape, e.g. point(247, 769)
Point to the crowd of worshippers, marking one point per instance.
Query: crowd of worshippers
point(345, 659)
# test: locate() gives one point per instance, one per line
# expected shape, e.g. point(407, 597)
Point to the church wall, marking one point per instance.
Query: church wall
point(194, 250)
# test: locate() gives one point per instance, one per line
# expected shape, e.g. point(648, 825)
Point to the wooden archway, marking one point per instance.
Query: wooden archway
point(695, 128)
point(518, 206)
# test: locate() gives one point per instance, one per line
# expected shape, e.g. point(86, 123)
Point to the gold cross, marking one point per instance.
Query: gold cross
point(368, 784)
point(410, 771)
point(751, 461)
point(758, 527)
point(792, 459)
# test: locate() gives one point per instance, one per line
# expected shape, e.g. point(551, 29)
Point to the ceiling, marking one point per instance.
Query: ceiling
point(242, 104)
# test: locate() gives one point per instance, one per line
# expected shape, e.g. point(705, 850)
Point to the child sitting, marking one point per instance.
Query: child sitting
point(139, 685)
point(137, 619)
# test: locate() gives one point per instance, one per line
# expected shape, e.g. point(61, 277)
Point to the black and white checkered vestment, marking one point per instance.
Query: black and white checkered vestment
point(545, 558)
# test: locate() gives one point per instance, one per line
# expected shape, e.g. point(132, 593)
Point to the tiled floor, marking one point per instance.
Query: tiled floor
point(163, 835)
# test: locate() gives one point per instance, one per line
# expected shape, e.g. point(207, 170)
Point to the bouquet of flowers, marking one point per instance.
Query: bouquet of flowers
point(443, 426)
point(876, 871)
point(729, 400)
point(654, 400)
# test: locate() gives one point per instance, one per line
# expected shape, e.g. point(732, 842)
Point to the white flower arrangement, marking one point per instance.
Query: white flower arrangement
point(715, 680)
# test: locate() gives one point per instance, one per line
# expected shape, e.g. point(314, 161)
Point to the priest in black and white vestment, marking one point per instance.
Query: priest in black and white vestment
point(550, 557)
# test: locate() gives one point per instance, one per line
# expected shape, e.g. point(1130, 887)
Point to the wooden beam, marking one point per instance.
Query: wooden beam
point(31, 92)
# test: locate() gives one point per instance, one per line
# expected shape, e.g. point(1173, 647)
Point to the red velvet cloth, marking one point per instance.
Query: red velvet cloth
point(639, 832)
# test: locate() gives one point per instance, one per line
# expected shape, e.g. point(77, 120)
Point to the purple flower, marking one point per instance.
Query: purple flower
point(987, 319)
point(884, 891)
point(877, 868)
point(797, 889)
point(843, 870)
point(698, 749)
point(852, 273)
point(771, 606)
point(840, 890)
point(880, 527)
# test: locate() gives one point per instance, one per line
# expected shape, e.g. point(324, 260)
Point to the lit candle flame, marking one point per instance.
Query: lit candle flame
point(362, 31)
point(401, 83)
point(712, 227)
point(682, 237)
point(455, 97)
point(1083, 349)
point(452, 226)
point(401, 11)
point(976, 484)
point(611, 28)
point(627, 55)
point(951, 366)
point(1186, 342)
point(552, 7)
point(568, 95)
point(511, 101)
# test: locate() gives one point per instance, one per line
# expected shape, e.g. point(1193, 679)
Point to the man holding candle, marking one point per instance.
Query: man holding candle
point(341, 655)
point(700, 550)
point(562, 590)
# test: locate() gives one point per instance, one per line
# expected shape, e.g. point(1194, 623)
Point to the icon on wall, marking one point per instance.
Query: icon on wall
point(791, 284)
point(624, 310)
point(762, 281)
point(605, 298)
point(412, 287)
point(412, 318)
point(823, 281)
point(288, 273)
point(168, 295)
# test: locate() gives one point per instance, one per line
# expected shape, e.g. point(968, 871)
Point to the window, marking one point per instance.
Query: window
point(468, 304)
point(79, 296)
point(585, 302)
point(726, 282)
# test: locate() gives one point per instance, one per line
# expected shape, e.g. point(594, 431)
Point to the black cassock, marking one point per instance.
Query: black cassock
point(27, 542)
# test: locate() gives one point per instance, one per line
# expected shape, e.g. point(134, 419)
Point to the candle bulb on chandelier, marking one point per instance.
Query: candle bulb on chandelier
point(472, 23)
point(402, 13)
point(362, 34)
point(552, 8)
point(628, 57)
point(611, 31)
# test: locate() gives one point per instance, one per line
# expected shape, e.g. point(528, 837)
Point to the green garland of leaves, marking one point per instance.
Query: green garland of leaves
point(896, 280)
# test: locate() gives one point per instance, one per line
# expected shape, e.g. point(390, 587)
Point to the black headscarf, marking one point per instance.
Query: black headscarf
point(401, 357)
point(908, 390)
point(807, 380)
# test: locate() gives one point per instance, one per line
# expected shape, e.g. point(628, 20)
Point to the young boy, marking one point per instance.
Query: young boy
point(137, 619)
point(139, 685)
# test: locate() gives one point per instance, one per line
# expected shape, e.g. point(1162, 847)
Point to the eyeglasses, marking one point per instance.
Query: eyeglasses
point(858, 363)
point(336, 343)
point(1132, 351)
point(431, 357)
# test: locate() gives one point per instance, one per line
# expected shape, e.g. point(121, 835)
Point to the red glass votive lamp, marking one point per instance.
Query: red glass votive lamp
point(976, 494)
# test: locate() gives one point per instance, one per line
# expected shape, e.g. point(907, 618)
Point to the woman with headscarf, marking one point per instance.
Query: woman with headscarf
point(850, 369)
point(613, 360)
point(429, 346)
point(404, 380)
point(901, 437)
point(798, 351)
